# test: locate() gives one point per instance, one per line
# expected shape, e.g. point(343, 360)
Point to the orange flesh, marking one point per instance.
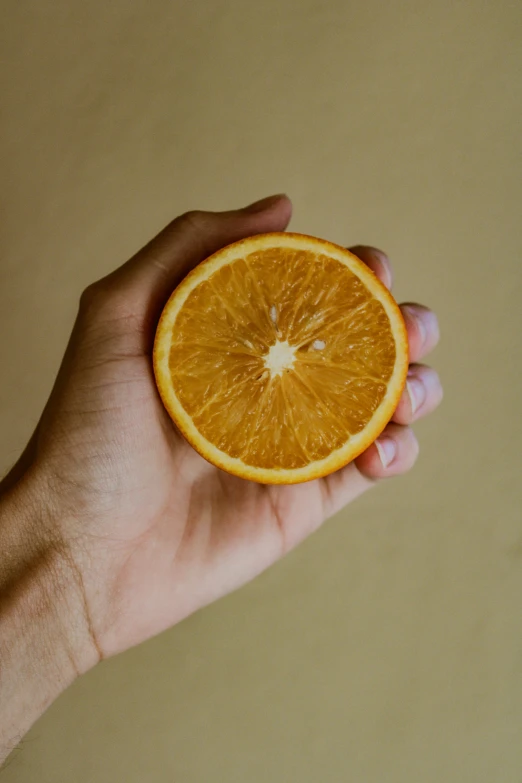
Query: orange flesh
point(280, 357)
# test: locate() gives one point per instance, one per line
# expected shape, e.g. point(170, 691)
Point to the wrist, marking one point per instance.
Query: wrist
point(44, 637)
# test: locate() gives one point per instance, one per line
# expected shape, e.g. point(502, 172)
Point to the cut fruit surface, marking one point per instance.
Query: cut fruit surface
point(281, 357)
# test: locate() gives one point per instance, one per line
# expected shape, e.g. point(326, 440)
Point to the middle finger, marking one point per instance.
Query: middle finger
point(421, 323)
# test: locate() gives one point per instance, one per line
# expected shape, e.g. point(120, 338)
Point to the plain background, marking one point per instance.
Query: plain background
point(388, 648)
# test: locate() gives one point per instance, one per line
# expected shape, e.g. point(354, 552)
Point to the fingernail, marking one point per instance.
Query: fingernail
point(387, 450)
point(264, 203)
point(421, 326)
point(416, 392)
point(380, 255)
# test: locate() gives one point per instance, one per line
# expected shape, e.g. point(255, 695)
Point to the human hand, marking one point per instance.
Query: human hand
point(140, 528)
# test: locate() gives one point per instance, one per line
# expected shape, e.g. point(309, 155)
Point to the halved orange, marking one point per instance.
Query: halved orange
point(281, 357)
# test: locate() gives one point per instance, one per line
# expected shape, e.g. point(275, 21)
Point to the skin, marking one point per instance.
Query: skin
point(112, 528)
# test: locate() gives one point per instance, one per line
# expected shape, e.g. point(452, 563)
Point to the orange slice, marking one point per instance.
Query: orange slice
point(281, 358)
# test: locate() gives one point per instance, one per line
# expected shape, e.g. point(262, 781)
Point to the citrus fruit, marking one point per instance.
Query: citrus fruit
point(281, 357)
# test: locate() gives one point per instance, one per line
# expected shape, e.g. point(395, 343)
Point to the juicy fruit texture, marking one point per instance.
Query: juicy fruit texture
point(280, 356)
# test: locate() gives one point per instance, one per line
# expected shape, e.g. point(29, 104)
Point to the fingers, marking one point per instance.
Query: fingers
point(394, 452)
point(377, 261)
point(423, 330)
point(149, 277)
point(423, 393)
point(421, 323)
point(396, 449)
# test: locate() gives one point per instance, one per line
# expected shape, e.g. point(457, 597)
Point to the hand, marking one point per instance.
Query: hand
point(143, 528)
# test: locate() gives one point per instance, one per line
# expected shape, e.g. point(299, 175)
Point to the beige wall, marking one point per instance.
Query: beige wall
point(389, 647)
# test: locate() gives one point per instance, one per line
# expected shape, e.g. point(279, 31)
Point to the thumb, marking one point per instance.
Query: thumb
point(148, 279)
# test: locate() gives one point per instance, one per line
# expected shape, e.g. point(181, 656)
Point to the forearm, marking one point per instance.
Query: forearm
point(41, 624)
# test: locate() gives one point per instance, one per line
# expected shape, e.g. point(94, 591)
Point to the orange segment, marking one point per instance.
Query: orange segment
point(281, 357)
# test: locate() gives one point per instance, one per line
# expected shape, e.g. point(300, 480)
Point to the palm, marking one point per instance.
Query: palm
point(171, 532)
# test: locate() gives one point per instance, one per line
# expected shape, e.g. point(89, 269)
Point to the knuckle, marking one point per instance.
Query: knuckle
point(92, 297)
point(195, 220)
point(100, 302)
point(195, 229)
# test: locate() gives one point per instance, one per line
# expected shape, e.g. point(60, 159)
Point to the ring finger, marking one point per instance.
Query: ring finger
point(422, 394)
